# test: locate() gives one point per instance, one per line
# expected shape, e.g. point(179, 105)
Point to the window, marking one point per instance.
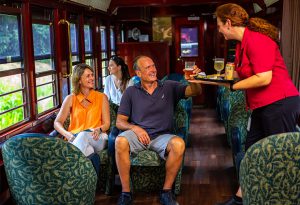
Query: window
point(74, 43)
point(112, 41)
point(104, 55)
point(88, 45)
point(45, 74)
point(75, 46)
point(13, 102)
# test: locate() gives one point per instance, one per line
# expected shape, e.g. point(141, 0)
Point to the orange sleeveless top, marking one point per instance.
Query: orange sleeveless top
point(82, 118)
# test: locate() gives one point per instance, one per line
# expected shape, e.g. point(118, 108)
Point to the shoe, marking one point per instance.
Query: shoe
point(234, 200)
point(167, 198)
point(125, 199)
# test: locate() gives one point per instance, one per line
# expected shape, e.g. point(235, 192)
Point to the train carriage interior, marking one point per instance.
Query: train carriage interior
point(42, 41)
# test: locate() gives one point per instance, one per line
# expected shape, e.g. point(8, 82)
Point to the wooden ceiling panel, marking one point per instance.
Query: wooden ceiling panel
point(115, 4)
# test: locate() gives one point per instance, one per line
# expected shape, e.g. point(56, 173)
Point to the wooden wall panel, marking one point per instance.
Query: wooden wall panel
point(158, 51)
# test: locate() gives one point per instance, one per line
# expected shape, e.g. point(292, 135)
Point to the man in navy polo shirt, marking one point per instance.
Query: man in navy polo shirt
point(146, 117)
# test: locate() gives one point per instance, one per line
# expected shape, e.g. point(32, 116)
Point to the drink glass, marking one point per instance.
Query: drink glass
point(188, 68)
point(219, 65)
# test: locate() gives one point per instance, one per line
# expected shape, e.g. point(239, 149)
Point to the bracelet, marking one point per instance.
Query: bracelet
point(231, 87)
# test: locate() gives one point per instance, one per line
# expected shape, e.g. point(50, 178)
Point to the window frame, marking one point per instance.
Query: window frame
point(53, 72)
point(16, 71)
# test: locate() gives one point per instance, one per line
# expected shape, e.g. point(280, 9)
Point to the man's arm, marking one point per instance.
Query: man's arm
point(193, 89)
point(123, 124)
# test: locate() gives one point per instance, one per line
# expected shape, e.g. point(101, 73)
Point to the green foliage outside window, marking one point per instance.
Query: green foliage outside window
point(16, 99)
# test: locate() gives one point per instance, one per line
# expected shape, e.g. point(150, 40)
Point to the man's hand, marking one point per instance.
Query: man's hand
point(196, 70)
point(141, 134)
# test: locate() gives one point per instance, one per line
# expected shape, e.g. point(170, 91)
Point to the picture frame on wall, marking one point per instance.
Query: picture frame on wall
point(162, 29)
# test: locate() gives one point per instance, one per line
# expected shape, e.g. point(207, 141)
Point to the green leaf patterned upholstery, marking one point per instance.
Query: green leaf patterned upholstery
point(237, 126)
point(146, 158)
point(225, 110)
point(106, 169)
point(187, 103)
point(46, 170)
point(220, 92)
point(270, 171)
point(148, 169)
point(113, 109)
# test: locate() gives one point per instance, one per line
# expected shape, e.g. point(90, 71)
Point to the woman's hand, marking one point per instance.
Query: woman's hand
point(141, 134)
point(96, 133)
point(70, 137)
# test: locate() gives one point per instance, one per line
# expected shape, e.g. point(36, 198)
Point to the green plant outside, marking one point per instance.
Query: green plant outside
point(16, 99)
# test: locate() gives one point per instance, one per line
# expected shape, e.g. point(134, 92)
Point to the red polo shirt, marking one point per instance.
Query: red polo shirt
point(258, 53)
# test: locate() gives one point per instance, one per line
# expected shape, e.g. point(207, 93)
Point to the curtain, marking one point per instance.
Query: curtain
point(290, 43)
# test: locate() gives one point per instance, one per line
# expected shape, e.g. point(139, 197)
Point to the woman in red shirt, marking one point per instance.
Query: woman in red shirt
point(270, 92)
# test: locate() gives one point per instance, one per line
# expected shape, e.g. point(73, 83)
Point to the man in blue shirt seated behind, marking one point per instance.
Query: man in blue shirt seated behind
point(146, 117)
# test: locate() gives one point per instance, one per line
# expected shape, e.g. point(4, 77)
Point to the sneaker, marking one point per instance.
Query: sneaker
point(125, 199)
point(234, 200)
point(167, 198)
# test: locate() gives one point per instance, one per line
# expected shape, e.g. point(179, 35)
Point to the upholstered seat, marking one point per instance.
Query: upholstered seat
point(186, 104)
point(225, 111)
point(220, 92)
point(270, 171)
point(47, 170)
point(147, 168)
point(106, 162)
point(237, 126)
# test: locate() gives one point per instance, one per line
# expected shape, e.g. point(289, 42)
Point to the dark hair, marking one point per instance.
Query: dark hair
point(239, 17)
point(124, 69)
point(76, 75)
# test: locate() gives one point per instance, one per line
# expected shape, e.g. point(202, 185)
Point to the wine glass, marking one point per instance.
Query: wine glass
point(219, 65)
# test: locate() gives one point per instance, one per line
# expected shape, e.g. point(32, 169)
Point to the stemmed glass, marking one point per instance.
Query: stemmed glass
point(219, 65)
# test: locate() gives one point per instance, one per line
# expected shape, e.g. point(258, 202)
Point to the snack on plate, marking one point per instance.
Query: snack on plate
point(212, 76)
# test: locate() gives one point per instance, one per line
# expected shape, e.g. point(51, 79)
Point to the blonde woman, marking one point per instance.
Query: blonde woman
point(89, 113)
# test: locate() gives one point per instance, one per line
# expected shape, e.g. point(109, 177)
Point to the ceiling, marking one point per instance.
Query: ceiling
point(111, 6)
point(102, 5)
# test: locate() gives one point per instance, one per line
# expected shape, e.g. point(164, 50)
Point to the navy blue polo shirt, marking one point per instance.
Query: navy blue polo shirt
point(154, 113)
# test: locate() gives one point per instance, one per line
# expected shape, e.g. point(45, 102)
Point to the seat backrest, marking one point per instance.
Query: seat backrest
point(270, 171)
point(176, 77)
point(47, 170)
point(136, 79)
point(113, 108)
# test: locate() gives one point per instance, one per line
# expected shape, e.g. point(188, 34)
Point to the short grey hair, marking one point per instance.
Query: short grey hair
point(136, 61)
